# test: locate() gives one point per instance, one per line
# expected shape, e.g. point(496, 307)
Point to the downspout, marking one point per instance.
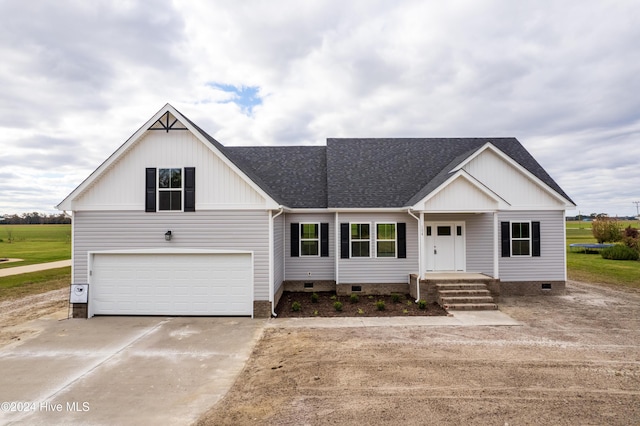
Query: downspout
point(271, 259)
point(419, 256)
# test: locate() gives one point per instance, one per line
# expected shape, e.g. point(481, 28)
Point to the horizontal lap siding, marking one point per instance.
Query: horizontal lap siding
point(298, 268)
point(478, 240)
point(551, 264)
point(380, 270)
point(214, 230)
point(278, 252)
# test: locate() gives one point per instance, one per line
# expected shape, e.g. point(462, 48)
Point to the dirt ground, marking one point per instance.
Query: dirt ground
point(575, 360)
point(16, 314)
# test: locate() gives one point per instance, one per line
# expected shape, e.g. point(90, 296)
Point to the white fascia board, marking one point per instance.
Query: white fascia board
point(502, 203)
point(170, 250)
point(515, 164)
point(348, 210)
point(67, 203)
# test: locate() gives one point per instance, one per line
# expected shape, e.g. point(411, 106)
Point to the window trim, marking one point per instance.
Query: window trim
point(159, 190)
point(351, 256)
point(512, 239)
point(317, 240)
point(395, 240)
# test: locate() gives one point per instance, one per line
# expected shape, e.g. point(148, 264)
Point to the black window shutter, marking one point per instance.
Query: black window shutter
point(535, 242)
point(295, 240)
point(402, 240)
point(344, 240)
point(324, 240)
point(189, 189)
point(506, 239)
point(150, 194)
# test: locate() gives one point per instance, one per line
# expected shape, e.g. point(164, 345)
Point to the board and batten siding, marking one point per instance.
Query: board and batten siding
point(122, 187)
point(214, 230)
point(551, 265)
point(509, 183)
point(278, 252)
point(309, 267)
point(478, 239)
point(380, 270)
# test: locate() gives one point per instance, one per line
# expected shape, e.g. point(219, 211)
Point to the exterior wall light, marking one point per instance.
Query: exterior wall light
point(167, 236)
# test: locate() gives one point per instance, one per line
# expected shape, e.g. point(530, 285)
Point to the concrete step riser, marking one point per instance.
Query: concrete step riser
point(470, 296)
point(461, 287)
point(461, 300)
point(472, 307)
point(454, 293)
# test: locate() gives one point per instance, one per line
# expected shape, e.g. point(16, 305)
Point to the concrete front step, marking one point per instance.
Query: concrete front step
point(465, 299)
point(465, 296)
point(471, 307)
point(461, 286)
point(454, 293)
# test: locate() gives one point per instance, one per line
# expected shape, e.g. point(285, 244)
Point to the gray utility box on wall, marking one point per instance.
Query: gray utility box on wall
point(79, 293)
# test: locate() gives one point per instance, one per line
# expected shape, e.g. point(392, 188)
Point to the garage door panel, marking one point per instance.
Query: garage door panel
point(171, 284)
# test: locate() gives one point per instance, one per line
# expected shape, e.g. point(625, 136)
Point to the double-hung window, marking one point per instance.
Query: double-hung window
point(386, 240)
point(170, 189)
point(360, 240)
point(521, 238)
point(310, 239)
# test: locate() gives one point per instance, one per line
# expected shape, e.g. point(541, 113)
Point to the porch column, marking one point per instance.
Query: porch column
point(496, 246)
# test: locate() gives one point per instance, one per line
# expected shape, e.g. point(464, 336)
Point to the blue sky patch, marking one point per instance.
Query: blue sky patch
point(244, 96)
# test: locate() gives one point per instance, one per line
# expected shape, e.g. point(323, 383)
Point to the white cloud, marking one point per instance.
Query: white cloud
point(79, 78)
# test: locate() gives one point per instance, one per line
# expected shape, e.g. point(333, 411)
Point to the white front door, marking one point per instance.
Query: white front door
point(445, 246)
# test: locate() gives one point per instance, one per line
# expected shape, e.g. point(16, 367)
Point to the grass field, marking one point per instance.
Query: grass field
point(16, 286)
point(592, 267)
point(34, 243)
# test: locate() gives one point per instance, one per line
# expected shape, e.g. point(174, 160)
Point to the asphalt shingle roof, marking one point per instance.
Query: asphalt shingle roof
point(365, 172)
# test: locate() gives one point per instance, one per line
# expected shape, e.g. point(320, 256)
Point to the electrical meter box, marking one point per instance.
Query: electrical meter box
point(79, 293)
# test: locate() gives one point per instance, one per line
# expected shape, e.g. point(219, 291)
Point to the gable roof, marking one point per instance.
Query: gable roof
point(348, 172)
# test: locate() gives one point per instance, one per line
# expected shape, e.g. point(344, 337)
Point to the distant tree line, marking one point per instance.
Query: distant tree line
point(34, 218)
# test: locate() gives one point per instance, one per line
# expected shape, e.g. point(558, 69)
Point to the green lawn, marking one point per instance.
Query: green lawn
point(16, 286)
point(592, 267)
point(34, 243)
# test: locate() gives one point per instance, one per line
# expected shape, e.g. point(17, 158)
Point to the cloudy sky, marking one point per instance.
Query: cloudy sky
point(79, 77)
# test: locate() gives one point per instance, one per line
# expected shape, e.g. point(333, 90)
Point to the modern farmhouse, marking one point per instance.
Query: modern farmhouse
point(175, 223)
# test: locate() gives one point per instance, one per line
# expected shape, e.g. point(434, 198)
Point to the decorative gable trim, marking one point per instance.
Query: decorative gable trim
point(516, 165)
point(157, 123)
point(500, 203)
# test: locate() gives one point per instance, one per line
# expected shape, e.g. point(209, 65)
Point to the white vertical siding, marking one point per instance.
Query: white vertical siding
point(123, 186)
point(380, 270)
point(218, 230)
point(508, 182)
point(278, 252)
point(309, 267)
point(460, 195)
point(551, 264)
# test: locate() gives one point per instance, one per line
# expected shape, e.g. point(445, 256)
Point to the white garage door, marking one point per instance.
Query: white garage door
point(171, 284)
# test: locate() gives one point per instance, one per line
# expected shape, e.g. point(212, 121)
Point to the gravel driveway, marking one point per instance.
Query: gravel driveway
point(575, 360)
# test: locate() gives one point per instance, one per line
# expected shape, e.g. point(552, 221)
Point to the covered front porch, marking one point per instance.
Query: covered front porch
point(456, 290)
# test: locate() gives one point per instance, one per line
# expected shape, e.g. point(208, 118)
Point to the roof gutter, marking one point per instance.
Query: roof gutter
point(419, 255)
point(271, 259)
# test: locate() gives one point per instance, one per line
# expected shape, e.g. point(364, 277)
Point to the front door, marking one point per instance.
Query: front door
point(445, 246)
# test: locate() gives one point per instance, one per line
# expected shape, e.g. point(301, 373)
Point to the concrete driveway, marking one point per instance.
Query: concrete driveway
point(123, 370)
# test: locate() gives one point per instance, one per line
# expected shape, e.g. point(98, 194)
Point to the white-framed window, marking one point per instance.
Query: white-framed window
point(309, 239)
point(520, 238)
point(170, 189)
point(386, 240)
point(360, 239)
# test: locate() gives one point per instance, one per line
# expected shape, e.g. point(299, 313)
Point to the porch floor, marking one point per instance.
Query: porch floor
point(444, 276)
